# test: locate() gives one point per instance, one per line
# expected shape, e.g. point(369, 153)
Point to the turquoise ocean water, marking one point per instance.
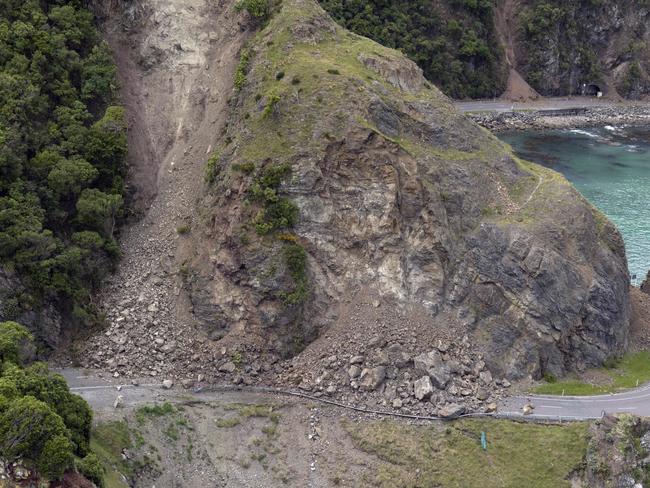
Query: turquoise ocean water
point(610, 166)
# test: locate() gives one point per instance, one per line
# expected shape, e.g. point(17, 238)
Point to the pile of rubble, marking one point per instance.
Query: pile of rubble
point(447, 381)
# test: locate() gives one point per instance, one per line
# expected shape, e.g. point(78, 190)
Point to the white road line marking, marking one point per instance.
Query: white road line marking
point(113, 387)
point(548, 406)
point(626, 408)
point(593, 399)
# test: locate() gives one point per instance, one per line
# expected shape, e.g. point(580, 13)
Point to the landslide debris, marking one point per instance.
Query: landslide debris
point(352, 222)
point(342, 170)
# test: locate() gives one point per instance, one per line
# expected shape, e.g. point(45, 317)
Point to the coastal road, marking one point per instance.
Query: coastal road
point(542, 104)
point(635, 402)
point(101, 393)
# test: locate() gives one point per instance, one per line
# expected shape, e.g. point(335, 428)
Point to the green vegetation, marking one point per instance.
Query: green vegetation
point(151, 411)
point(62, 158)
point(91, 468)
point(172, 432)
point(541, 23)
point(630, 85)
point(277, 212)
point(228, 422)
point(212, 168)
point(259, 9)
point(242, 69)
point(295, 258)
point(108, 441)
point(518, 454)
point(40, 420)
point(453, 41)
point(246, 168)
point(271, 106)
point(617, 375)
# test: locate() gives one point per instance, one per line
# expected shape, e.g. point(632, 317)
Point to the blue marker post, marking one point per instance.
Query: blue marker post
point(484, 441)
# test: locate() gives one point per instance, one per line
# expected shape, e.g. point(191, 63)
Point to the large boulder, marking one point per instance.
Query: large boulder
point(425, 362)
point(451, 411)
point(423, 388)
point(440, 376)
point(372, 378)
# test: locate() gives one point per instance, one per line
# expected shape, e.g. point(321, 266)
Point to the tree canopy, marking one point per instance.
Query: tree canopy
point(62, 157)
point(453, 41)
point(41, 421)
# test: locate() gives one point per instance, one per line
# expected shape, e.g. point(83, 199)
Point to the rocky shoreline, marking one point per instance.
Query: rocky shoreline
point(563, 119)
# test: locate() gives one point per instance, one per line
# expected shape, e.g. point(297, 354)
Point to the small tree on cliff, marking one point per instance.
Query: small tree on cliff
point(12, 335)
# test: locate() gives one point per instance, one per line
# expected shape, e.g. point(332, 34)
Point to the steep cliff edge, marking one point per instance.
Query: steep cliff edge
point(556, 47)
point(351, 216)
point(342, 170)
point(563, 47)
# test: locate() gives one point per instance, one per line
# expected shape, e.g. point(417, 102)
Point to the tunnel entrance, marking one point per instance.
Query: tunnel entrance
point(591, 90)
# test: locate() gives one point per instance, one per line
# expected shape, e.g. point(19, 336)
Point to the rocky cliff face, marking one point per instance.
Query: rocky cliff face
point(617, 453)
point(342, 170)
point(563, 46)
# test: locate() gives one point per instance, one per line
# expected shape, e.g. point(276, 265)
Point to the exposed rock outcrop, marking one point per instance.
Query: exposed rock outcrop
point(353, 220)
point(617, 453)
point(645, 286)
point(44, 321)
point(563, 48)
point(398, 193)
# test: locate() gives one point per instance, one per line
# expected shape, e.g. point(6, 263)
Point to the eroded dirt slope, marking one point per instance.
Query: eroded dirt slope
point(176, 61)
point(506, 23)
point(354, 220)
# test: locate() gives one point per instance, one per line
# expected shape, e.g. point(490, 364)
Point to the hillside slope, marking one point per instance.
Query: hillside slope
point(564, 45)
point(468, 49)
point(351, 211)
point(455, 43)
point(62, 167)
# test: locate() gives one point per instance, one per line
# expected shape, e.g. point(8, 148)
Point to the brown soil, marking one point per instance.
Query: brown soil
point(517, 88)
point(247, 441)
point(640, 320)
point(176, 62)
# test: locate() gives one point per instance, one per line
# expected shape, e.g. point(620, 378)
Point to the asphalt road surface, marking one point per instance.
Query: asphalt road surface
point(542, 104)
point(636, 402)
point(101, 394)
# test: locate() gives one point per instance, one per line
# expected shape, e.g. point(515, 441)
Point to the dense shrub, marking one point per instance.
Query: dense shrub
point(11, 337)
point(454, 41)
point(212, 168)
point(40, 419)
point(277, 212)
point(242, 68)
point(271, 105)
point(62, 156)
point(56, 457)
point(91, 468)
point(295, 257)
point(257, 8)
